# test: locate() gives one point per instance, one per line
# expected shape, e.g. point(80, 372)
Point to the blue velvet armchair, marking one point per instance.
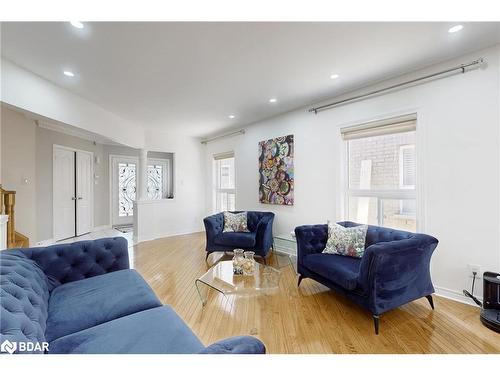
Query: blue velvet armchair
point(394, 269)
point(259, 239)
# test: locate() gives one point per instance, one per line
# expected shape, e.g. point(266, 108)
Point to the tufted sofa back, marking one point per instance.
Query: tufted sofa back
point(29, 275)
point(253, 218)
point(376, 234)
point(24, 297)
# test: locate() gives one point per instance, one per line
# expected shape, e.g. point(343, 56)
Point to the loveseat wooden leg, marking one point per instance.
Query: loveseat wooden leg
point(376, 321)
point(431, 301)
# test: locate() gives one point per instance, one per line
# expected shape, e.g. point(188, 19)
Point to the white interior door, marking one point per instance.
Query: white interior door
point(64, 193)
point(84, 194)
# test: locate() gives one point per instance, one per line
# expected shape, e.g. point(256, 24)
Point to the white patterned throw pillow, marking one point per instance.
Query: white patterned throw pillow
point(346, 241)
point(235, 222)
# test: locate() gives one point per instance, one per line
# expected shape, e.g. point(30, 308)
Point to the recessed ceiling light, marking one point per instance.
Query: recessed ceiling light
point(77, 24)
point(273, 100)
point(231, 116)
point(455, 28)
point(334, 76)
point(67, 73)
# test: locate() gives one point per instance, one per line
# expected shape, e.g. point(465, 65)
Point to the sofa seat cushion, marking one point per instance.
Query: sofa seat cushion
point(154, 331)
point(235, 239)
point(85, 303)
point(341, 270)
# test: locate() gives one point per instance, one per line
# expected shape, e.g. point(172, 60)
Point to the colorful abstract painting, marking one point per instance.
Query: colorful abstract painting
point(276, 171)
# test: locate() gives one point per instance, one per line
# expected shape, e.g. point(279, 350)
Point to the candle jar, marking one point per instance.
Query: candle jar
point(238, 260)
point(249, 263)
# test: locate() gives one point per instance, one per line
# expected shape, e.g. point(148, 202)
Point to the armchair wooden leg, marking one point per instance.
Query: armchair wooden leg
point(376, 321)
point(299, 281)
point(431, 301)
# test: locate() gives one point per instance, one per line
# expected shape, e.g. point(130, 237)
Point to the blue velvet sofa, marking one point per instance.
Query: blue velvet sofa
point(83, 298)
point(394, 269)
point(259, 239)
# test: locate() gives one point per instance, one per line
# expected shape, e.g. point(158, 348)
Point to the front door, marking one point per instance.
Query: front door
point(124, 174)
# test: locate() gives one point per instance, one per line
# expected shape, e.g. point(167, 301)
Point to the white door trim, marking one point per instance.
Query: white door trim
point(60, 147)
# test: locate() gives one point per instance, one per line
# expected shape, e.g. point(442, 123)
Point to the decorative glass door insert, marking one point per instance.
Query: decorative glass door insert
point(155, 181)
point(126, 188)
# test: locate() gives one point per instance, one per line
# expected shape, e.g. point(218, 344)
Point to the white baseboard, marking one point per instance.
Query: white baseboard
point(285, 250)
point(455, 296)
point(44, 243)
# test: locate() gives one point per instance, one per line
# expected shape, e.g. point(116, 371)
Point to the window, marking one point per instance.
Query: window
point(224, 181)
point(381, 173)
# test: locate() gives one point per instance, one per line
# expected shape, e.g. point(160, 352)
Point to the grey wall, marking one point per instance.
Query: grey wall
point(18, 167)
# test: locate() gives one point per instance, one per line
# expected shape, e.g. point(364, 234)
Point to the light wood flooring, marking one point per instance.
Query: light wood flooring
point(309, 319)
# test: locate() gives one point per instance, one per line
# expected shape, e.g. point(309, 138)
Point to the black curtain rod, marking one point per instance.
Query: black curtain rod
point(461, 68)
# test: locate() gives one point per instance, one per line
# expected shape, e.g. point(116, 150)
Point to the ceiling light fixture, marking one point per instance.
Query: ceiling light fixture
point(273, 100)
point(334, 76)
point(77, 24)
point(231, 116)
point(67, 73)
point(455, 28)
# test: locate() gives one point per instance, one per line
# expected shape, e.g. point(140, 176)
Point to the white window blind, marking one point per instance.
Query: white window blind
point(407, 167)
point(400, 124)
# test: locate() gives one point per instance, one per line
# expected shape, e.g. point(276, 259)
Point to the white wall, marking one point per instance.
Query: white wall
point(32, 93)
point(458, 155)
point(184, 213)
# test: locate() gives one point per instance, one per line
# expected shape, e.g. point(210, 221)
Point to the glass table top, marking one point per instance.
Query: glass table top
point(265, 279)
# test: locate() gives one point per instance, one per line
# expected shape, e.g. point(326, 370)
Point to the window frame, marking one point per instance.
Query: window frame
point(216, 191)
point(382, 194)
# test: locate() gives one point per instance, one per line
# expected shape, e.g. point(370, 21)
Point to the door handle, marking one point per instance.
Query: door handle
point(80, 198)
point(73, 198)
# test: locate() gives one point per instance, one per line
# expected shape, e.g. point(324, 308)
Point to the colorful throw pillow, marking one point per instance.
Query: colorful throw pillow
point(235, 222)
point(346, 241)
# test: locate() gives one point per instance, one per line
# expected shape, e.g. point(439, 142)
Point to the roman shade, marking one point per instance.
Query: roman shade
point(399, 124)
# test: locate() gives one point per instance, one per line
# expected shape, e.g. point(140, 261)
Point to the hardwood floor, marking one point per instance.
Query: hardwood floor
point(309, 319)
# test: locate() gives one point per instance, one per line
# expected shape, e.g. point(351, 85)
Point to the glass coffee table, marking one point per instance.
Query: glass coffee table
point(265, 280)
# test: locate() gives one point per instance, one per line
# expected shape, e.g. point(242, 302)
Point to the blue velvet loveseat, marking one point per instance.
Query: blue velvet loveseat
point(394, 269)
point(259, 238)
point(83, 298)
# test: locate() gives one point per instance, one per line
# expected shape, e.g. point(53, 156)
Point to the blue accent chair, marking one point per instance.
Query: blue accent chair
point(259, 239)
point(394, 269)
point(83, 298)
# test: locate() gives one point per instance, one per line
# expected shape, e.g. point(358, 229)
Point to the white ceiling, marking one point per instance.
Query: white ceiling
point(188, 77)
